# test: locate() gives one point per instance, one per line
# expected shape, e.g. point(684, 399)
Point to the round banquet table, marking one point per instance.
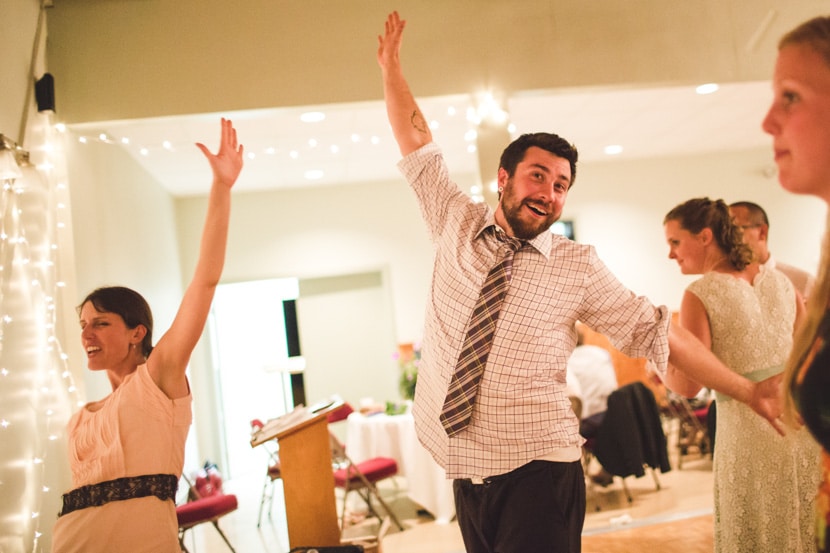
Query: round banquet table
point(382, 435)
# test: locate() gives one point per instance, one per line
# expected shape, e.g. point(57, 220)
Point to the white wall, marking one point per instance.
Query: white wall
point(125, 234)
point(617, 206)
point(326, 231)
point(348, 339)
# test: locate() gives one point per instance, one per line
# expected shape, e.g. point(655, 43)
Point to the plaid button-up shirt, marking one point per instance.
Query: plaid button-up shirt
point(521, 412)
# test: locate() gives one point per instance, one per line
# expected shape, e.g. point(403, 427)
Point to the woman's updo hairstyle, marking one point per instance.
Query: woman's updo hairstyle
point(700, 213)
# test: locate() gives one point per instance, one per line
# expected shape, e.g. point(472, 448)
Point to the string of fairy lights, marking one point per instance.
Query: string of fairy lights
point(39, 388)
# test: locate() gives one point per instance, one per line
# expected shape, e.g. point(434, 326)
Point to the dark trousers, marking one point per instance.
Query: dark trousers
point(538, 507)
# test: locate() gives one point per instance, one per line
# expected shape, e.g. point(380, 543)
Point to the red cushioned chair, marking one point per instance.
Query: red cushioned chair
point(339, 413)
point(360, 477)
point(694, 426)
point(204, 508)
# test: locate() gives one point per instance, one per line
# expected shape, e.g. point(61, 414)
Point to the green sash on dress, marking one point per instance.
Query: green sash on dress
point(754, 376)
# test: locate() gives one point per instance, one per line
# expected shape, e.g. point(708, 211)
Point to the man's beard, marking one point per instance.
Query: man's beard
point(521, 227)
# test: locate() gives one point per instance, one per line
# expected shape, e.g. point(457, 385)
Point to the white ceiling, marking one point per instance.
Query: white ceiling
point(354, 143)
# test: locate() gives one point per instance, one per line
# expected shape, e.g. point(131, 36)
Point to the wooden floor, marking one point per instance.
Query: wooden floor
point(690, 535)
point(655, 521)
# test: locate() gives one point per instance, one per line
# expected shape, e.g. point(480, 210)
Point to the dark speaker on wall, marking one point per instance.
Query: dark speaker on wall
point(45, 93)
point(292, 331)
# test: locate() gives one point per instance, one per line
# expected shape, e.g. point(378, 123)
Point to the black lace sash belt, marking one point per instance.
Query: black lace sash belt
point(163, 486)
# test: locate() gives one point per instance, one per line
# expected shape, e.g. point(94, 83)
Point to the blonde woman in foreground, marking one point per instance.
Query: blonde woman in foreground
point(799, 122)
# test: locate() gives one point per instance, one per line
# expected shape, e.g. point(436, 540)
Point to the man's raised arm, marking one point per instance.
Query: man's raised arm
point(408, 123)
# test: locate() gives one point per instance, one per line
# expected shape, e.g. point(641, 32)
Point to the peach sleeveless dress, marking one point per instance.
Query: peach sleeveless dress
point(136, 430)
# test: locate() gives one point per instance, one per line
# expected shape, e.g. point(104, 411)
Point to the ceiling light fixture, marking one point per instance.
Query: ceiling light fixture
point(312, 117)
point(707, 88)
point(613, 149)
point(490, 110)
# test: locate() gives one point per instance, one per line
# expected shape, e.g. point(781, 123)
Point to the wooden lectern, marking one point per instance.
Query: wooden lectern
point(307, 475)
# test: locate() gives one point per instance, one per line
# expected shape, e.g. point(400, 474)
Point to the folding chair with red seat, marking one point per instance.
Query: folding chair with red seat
point(204, 508)
point(361, 477)
point(694, 426)
point(273, 472)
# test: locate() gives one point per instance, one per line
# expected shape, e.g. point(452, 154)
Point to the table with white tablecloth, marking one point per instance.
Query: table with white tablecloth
point(382, 435)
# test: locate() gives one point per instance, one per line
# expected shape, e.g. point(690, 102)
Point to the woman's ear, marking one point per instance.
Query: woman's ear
point(705, 236)
point(139, 332)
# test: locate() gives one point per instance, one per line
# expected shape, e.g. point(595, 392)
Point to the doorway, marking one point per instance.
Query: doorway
point(250, 358)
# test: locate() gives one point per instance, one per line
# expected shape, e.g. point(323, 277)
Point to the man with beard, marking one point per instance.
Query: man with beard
point(491, 403)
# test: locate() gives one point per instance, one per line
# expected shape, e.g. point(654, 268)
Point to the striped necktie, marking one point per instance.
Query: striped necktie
point(461, 394)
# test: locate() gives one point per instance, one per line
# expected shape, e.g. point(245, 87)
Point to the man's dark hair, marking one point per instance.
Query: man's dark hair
point(756, 212)
point(555, 144)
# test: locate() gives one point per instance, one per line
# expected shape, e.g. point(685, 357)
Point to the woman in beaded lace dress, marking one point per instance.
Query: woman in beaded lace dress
point(126, 451)
point(746, 314)
point(799, 122)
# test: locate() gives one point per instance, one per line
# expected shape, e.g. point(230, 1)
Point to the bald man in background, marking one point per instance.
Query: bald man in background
point(754, 223)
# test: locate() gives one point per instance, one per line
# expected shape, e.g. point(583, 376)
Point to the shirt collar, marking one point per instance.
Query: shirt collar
point(541, 243)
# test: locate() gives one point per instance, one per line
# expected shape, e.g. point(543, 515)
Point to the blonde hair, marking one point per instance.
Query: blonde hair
point(814, 33)
point(807, 333)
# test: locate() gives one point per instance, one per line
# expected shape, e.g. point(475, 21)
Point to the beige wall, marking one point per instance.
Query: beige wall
point(123, 59)
point(617, 206)
point(125, 234)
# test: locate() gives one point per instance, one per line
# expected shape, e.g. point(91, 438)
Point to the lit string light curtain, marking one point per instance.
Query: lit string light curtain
point(9, 169)
point(37, 390)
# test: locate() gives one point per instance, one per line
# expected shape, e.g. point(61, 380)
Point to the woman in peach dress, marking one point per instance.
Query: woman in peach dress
point(126, 451)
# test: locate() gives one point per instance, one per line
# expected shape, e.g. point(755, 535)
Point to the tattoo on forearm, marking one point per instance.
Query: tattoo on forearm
point(418, 121)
